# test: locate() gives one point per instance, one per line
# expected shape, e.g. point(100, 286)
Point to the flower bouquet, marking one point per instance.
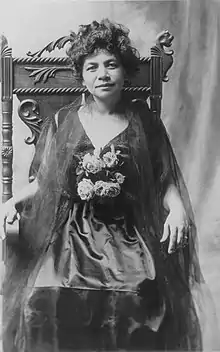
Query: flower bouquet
point(99, 175)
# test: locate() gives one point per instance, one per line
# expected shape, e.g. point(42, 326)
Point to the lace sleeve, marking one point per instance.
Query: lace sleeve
point(162, 158)
point(45, 142)
point(48, 130)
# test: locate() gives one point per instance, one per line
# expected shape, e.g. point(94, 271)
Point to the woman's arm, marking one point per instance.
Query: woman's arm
point(172, 200)
point(167, 174)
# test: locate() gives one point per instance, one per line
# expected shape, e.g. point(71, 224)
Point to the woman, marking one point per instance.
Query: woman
point(106, 258)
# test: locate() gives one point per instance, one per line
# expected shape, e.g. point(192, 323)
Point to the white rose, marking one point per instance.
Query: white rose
point(85, 189)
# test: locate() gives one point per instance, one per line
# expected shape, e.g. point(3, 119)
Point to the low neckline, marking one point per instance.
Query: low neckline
point(110, 141)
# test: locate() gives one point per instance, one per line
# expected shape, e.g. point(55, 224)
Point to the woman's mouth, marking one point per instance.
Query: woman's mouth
point(105, 85)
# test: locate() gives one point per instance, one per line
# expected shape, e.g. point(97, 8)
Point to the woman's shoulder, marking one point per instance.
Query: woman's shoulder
point(141, 111)
point(139, 107)
point(152, 124)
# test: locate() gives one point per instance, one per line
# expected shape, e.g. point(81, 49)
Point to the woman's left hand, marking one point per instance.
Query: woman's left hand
point(176, 227)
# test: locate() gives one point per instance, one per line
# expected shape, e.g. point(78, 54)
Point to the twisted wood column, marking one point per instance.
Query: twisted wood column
point(6, 102)
point(7, 108)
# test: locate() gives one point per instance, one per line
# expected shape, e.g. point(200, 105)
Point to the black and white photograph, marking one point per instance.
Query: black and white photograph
point(110, 175)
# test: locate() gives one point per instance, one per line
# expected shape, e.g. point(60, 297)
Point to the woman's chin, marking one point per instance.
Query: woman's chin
point(107, 94)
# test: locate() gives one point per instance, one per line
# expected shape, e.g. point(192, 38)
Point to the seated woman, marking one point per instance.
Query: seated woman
point(106, 258)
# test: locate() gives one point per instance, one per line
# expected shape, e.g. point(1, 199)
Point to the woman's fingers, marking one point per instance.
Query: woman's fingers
point(180, 235)
point(177, 231)
point(186, 234)
point(173, 239)
point(166, 232)
point(12, 216)
point(183, 235)
point(8, 215)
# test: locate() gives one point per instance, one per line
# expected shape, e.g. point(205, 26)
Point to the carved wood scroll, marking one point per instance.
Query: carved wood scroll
point(29, 113)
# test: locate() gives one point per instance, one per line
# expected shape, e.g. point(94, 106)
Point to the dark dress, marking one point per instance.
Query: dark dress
point(102, 282)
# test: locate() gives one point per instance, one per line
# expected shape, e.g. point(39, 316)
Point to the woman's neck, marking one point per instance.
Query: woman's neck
point(106, 106)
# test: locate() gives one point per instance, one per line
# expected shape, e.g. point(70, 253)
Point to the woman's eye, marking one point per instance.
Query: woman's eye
point(91, 68)
point(112, 65)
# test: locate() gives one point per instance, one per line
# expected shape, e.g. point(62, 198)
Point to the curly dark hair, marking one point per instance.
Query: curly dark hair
point(105, 35)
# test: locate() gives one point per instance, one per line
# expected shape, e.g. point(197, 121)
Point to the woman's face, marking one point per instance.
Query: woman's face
point(103, 75)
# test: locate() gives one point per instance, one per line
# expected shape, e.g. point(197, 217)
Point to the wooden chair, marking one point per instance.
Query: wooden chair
point(45, 84)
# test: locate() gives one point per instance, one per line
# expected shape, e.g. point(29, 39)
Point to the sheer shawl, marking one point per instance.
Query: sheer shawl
point(191, 303)
point(178, 275)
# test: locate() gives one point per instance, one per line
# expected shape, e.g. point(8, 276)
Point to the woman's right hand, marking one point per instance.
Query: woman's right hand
point(8, 214)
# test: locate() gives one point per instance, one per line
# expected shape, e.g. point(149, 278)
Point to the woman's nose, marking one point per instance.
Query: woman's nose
point(103, 73)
